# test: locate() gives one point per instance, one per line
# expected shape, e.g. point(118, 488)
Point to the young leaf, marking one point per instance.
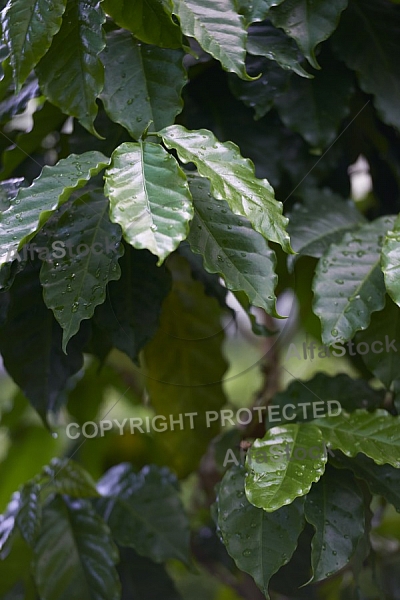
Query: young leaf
point(185, 367)
point(335, 507)
point(34, 205)
point(82, 557)
point(29, 26)
point(309, 22)
point(149, 197)
point(390, 260)
point(375, 434)
point(232, 179)
point(142, 83)
point(30, 343)
point(233, 249)
point(365, 49)
point(322, 219)
point(144, 512)
point(218, 28)
point(259, 542)
point(130, 315)
point(149, 20)
point(348, 285)
point(85, 260)
point(380, 343)
point(272, 43)
point(316, 107)
point(284, 464)
point(71, 75)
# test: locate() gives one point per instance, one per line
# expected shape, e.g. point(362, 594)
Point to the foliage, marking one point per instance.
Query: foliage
point(165, 165)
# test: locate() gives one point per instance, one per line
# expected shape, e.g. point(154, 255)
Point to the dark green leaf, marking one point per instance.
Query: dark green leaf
point(259, 542)
point(74, 555)
point(256, 10)
point(71, 75)
point(335, 507)
point(142, 83)
point(29, 26)
point(65, 476)
point(12, 103)
point(144, 512)
point(29, 514)
point(391, 262)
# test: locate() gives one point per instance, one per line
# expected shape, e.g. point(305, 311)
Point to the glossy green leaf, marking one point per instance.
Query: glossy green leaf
point(233, 249)
point(218, 28)
point(232, 179)
point(144, 512)
point(371, 50)
point(348, 285)
point(256, 10)
point(316, 107)
point(29, 514)
point(185, 367)
point(309, 22)
point(349, 392)
point(391, 262)
point(272, 43)
point(142, 83)
point(8, 190)
point(71, 75)
point(380, 344)
point(34, 205)
point(84, 262)
point(75, 555)
point(149, 20)
point(262, 93)
point(149, 197)
point(130, 315)
point(284, 464)
point(259, 542)
point(64, 476)
point(30, 343)
point(382, 480)
point(335, 508)
point(375, 434)
point(323, 218)
point(29, 26)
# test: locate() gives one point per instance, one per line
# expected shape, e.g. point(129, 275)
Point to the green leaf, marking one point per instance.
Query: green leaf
point(284, 464)
point(218, 28)
point(390, 261)
point(75, 555)
point(233, 249)
point(232, 179)
point(7, 525)
point(348, 285)
point(13, 103)
point(262, 93)
point(256, 10)
point(316, 107)
point(29, 26)
point(64, 476)
point(149, 20)
point(29, 515)
point(375, 434)
point(130, 314)
point(142, 83)
point(380, 344)
point(30, 343)
point(323, 218)
point(84, 262)
point(309, 22)
point(351, 393)
point(259, 542)
point(144, 512)
point(34, 205)
point(335, 507)
point(367, 40)
point(149, 197)
point(185, 367)
point(8, 190)
point(71, 75)
point(270, 42)
point(382, 480)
